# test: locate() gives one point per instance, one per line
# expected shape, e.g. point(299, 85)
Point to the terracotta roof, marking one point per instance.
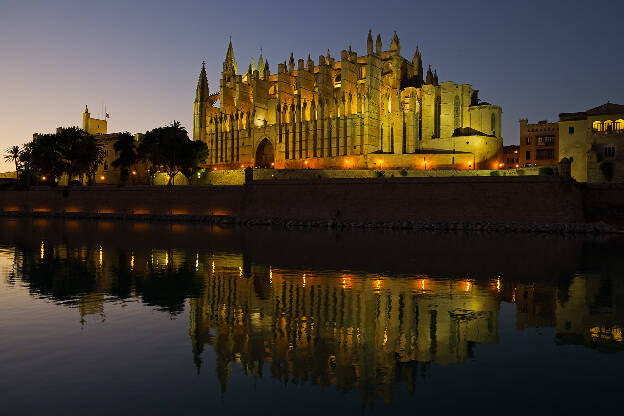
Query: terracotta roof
point(604, 109)
point(608, 108)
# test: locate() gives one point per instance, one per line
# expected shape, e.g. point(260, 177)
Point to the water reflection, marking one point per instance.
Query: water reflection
point(354, 311)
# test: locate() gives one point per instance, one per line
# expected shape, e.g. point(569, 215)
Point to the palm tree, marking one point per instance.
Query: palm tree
point(13, 156)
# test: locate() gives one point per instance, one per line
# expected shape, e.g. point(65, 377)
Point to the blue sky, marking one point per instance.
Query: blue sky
point(141, 59)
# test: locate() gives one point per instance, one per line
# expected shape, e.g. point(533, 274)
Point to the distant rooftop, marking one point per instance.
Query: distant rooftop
point(604, 109)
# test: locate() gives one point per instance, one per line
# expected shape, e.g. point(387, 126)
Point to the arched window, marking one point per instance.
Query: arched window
point(597, 125)
point(381, 139)
point(608, 125)
point(619, 124)
point(436, 117)
point(493, 122)
point(456, 107)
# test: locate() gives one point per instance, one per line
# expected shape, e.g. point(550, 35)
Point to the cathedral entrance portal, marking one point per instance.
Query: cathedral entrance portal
point(265, 154)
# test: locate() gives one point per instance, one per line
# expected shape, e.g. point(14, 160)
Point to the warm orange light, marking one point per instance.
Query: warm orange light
point(500, 165)
point(43, 178)
point(273, 164)
point(517, 166)
point(102, 177)
point(134, 172)
point(242, 166)
point(214, 168)
point(305, 162)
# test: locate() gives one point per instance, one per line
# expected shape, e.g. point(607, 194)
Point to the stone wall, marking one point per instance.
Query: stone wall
point(237, 177)
point(383, 200)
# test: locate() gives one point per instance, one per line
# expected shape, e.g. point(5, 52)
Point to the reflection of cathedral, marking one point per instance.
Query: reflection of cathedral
point(371, 331)
point(337, 328)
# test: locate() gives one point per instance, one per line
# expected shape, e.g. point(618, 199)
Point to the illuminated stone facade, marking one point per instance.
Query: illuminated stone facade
point(592, 141)
point(374, 111)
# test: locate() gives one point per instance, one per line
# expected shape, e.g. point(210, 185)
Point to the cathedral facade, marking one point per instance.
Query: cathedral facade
point(376, 111)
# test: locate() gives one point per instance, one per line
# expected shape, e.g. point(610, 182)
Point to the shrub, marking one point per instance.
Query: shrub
point(607, 170)
point(494, 173)
point(403, 172)
point(521, 172)
point(380, 173)
point(546, 171)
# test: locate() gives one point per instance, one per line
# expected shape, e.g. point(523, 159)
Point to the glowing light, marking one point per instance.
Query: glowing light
point(468, 286)
point(240, 271)
point(344, 282)
point(270, 275)
point(197, 262)
point(272, 164)
point(242, 166)
point(102, 177)
point(304, 280)
point(213, 267)
point(134, 172)
point(214, 168)
point(378, 284)
point(305, 162)
point(132, 262)
point(166, 258)
point(498, 284)
point(500, 165)
point(43, 178)
point(517, 166)
point(101, 255)
point(423, 285)
point(42, 251)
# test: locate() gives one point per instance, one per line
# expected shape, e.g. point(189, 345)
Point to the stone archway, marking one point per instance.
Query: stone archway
point(265, 155)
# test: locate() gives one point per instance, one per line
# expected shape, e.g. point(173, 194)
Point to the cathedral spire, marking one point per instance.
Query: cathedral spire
point(261, 64)
point(429, 76)
point(369, 42)
point(395, 44)
point(379, 46)
point(202, 92)
point(435, 77)
point(229, 65)
point(417, 64)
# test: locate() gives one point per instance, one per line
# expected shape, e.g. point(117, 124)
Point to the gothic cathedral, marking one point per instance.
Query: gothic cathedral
point(377, 111)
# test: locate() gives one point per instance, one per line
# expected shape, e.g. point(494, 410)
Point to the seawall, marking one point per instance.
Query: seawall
point(524, 203)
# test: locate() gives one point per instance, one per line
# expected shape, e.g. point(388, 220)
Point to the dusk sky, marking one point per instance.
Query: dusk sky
point(141, 59)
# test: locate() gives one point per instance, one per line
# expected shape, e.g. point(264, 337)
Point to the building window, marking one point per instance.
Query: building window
point(543, 154)
point(105, 165)
point(493, 123)
point(609, 152)
point(608, 125)
point(619, 125)
point(436, 117)
point(456, 107)
point(528, 140)
point(597, 126)
point(570, 130)
point(545, 140)
point(528, 155)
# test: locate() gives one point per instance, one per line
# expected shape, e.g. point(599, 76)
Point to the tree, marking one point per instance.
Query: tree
point(46, 157)
point(80, 152)
point(170, 148)
point(12, 156)
point(126, 148)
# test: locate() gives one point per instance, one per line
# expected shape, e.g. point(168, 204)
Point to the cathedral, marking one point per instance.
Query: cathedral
point(375, 111)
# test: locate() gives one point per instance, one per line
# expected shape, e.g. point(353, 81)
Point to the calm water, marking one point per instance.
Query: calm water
point(123, 318)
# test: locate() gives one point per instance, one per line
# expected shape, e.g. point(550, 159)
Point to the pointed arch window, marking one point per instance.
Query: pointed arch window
point(437, 111)
point(456, 112)
point(493, 122)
